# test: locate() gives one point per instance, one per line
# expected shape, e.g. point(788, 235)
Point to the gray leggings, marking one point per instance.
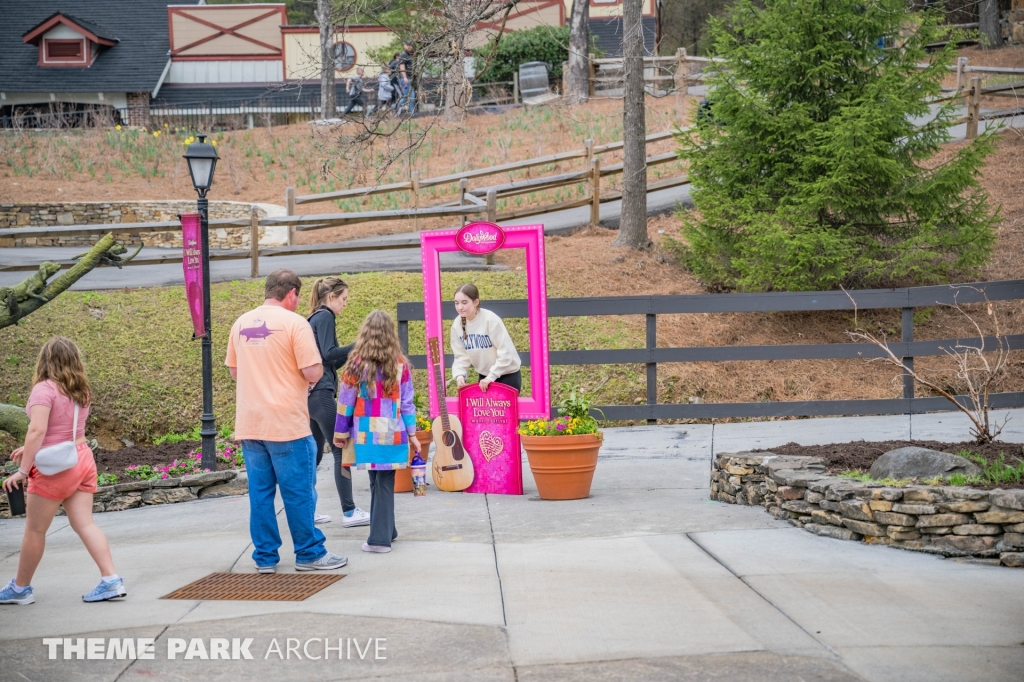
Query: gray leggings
point(323, 410)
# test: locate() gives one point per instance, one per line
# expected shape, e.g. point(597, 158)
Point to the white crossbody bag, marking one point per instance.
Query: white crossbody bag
point(54, 459)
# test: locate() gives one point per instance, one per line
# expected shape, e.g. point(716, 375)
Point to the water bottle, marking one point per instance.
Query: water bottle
point(419, 476)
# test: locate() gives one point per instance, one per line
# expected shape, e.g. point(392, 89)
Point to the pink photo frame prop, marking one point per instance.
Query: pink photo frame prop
point(531, 239)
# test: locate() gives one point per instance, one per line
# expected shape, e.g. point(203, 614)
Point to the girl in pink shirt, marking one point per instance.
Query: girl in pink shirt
point(59, 384)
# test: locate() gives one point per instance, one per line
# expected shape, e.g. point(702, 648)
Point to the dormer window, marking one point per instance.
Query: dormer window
point(64, 40)
point(63, 51)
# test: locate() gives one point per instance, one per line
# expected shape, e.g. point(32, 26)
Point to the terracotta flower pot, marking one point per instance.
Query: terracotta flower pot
point(403, 477)
point(563, 466)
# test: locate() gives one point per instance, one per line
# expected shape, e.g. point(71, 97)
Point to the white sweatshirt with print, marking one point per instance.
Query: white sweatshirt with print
point(487, 348)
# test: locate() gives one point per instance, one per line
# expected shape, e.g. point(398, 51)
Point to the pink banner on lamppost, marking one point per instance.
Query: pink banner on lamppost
point(192, 264)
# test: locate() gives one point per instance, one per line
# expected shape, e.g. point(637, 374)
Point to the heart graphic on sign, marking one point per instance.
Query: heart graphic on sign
point(490, 446)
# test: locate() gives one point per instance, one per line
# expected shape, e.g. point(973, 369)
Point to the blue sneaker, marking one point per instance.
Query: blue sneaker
point(104, 591)
point(9, 595)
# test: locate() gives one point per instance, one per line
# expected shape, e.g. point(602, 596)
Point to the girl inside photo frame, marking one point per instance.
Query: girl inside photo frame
point(479, 340)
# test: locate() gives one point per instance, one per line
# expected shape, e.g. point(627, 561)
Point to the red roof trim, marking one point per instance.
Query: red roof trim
point(35, 34)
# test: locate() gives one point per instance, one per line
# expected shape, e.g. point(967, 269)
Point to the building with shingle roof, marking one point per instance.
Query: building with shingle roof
point(82, 52)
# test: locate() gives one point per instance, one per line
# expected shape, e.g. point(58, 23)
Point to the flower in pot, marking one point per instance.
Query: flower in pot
point(403, 477)
point(563, 452)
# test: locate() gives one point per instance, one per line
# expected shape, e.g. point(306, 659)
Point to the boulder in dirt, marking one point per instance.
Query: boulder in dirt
point(922, 463)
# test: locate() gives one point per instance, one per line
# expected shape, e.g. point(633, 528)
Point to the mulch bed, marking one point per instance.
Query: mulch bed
point(115, 461)
point(860, 455)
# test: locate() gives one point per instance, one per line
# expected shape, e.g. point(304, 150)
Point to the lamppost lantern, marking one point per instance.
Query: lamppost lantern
point(202, 161)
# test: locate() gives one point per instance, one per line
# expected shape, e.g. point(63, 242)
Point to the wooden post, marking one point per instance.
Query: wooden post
point(588, 148)
point(595, 191)
point(492, 217)
point(463, 186)
point(973, 107)
point(680, 80)
point(515, 87)
point(591, 75)
point(908, 362)
point(289, 201)
point(416, 197)
point(961, 73)
point(254, 242)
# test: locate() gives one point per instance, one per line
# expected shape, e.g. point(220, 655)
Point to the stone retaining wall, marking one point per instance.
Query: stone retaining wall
point(101, 212)
point(162, 491)
point(951, 521)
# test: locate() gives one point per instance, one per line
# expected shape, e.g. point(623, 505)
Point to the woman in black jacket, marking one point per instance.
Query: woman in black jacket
point(328, 299)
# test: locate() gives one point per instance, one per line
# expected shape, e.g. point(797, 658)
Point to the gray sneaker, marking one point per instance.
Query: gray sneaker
point(325, 563)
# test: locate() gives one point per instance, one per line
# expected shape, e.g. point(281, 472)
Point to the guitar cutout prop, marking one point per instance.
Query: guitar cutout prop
point(452, 470)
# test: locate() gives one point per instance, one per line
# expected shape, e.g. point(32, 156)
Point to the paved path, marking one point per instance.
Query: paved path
point(647, 580)
point(557, 222)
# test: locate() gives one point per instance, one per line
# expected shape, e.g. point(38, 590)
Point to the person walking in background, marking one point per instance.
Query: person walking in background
point(376, 411)
point(273, 356)
point(405, 81)
point(58, 408)
point(479, 340)
point(385, 90)
point(354, 87)
point(327, 300)
point(395, 85)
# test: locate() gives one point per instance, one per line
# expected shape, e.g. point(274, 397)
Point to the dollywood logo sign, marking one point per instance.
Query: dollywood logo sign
point(480, 238)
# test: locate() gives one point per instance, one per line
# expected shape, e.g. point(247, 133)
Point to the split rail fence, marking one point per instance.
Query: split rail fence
point(906, 299)
point(481, 201)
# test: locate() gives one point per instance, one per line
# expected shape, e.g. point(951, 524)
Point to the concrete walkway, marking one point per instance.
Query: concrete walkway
point(646, 580)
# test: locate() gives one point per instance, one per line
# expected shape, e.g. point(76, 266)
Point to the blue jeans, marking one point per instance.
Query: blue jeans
point(292, 466)
point(408, 96)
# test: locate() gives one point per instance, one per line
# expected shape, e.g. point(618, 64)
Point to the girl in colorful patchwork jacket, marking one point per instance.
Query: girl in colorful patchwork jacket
point(376, 411)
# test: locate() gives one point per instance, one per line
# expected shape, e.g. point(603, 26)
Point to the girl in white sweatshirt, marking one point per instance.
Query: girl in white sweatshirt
point(479, 340)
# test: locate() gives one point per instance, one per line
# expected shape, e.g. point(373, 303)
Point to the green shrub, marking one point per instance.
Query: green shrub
point(810, 171)
point(548, 44)
point(998, 471)
point(964, 479)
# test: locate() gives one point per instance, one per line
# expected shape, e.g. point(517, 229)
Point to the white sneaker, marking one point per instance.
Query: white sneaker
point(376, 549)
point(325, 563)
point(357, 518)
point(321, 518)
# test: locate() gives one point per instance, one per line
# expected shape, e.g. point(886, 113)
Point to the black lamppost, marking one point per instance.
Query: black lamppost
point(202, 160)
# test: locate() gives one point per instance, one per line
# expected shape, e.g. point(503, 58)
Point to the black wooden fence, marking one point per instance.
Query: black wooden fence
point(651, 306)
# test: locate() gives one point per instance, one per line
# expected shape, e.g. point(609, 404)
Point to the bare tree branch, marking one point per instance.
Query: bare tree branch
point(976, 370)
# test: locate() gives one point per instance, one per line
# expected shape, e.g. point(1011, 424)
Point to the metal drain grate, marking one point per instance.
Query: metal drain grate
point(256, 586)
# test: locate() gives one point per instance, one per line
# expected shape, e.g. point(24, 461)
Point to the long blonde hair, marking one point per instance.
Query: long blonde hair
point(61, 362)
point(321, 288)
point(377, 348)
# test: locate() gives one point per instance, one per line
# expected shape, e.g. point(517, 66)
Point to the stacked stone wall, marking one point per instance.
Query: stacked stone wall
point(1012, 25)
point(161, 491)
point(946, 520)
point(100, 212)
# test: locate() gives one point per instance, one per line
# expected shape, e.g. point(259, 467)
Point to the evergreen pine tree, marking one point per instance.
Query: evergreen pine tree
point(814, 166)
